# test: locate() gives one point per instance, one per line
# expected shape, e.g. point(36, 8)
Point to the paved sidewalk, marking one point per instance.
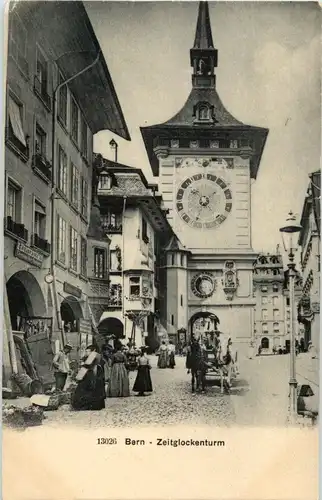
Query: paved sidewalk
point(308, 370)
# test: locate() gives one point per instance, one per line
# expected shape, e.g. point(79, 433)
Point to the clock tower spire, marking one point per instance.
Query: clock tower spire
point(203, 55)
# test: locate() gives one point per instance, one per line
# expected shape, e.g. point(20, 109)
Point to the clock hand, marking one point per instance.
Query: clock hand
point(197, 217)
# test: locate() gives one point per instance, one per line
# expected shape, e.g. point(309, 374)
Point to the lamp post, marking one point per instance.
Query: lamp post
point(114, 147)
point(291, 227)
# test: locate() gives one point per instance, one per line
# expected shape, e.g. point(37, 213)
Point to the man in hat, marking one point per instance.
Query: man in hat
point(61, 364)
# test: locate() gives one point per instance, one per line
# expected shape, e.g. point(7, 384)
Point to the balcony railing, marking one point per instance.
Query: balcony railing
point(16, 228)
point(41, 243)
point(113, 228)
point(41, 166)
point(41, 92)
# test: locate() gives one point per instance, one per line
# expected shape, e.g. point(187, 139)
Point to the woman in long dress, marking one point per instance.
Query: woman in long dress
point(163, 356)
point(143, 381)
point(119, 386)
point(90, 391)
point(171, 354)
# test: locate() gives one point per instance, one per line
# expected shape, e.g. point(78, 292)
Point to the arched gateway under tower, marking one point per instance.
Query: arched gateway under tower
point(203, 323)
point(205, 159)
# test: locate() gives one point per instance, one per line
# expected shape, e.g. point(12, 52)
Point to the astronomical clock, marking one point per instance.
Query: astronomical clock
point(204, 201)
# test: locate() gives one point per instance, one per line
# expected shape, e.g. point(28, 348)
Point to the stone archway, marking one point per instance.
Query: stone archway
point(25, 298)
point(71, 311)
point(111, 326)
point(201, 322)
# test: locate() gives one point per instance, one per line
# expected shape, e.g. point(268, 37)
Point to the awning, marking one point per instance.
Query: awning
point(15, 121)
point(40, 209)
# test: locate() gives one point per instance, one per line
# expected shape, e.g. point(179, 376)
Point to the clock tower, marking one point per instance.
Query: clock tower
point(205, 160)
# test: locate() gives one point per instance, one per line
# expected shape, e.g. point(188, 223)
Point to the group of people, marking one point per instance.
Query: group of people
point(167, 355)
point(101, 375)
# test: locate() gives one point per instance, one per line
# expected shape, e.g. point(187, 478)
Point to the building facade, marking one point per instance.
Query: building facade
point(272, 315)
point(129, 304)
point(48, 176)
point(309, 241)
point(204, 159)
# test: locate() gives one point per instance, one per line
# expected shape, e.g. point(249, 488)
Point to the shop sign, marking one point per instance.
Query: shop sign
point(85, 327)
point(28, 254)
point(85, 334)
point(72, 290)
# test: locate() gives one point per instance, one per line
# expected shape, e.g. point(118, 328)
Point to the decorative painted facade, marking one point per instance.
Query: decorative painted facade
point(133, 218)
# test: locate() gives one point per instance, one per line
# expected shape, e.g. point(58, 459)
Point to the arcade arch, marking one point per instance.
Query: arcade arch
point(25, 298)
point(111, 326)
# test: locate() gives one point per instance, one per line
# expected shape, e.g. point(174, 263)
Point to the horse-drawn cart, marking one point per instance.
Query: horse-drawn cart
point(212, 364)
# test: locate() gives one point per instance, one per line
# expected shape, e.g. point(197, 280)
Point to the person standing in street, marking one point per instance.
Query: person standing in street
point(90, 392)
point(171, 354)
point(119, 386)
point(61, 364)
point(143, 381)
point(163, 356)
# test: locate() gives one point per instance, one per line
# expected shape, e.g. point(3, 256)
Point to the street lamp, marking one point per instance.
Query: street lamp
point(114, 147)
point(291, 227)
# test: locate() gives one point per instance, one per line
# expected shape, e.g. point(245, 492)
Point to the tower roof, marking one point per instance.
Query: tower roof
point(203, 37)
point(175, 245)
point(189, 124)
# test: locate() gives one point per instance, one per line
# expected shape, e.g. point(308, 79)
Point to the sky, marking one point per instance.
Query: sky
point(268, 75)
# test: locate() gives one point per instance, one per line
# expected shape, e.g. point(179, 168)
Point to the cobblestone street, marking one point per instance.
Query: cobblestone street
point(171, 403)
point(258, 397)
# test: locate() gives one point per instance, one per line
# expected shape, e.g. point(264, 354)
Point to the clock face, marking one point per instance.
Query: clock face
point(203, 285)
point(204, 201)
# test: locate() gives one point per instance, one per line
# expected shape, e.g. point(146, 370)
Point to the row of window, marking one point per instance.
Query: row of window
point(276, 327)
point(78, 197)
point(14, 208)
point(276, 314)
point(264, 289)
point(68, 111)
point(17, 135)
point(215, 144)
point(75, 122)
point(71, 184)
point(68, 237)
point(275, 300)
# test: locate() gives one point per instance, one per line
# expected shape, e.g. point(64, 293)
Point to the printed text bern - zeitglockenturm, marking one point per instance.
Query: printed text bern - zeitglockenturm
point(175, 442)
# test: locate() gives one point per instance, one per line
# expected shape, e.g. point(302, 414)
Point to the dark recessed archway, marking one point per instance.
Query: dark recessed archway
point(70, 311)
point(265, 343)
point(25, 297)
point(111, 326)
point(210, 320)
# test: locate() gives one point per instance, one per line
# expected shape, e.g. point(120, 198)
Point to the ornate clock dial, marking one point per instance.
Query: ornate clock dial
point(204, 201)
point(203, 285)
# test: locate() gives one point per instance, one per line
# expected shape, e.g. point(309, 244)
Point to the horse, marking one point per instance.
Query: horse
point(226, 363)
point(196, 365)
